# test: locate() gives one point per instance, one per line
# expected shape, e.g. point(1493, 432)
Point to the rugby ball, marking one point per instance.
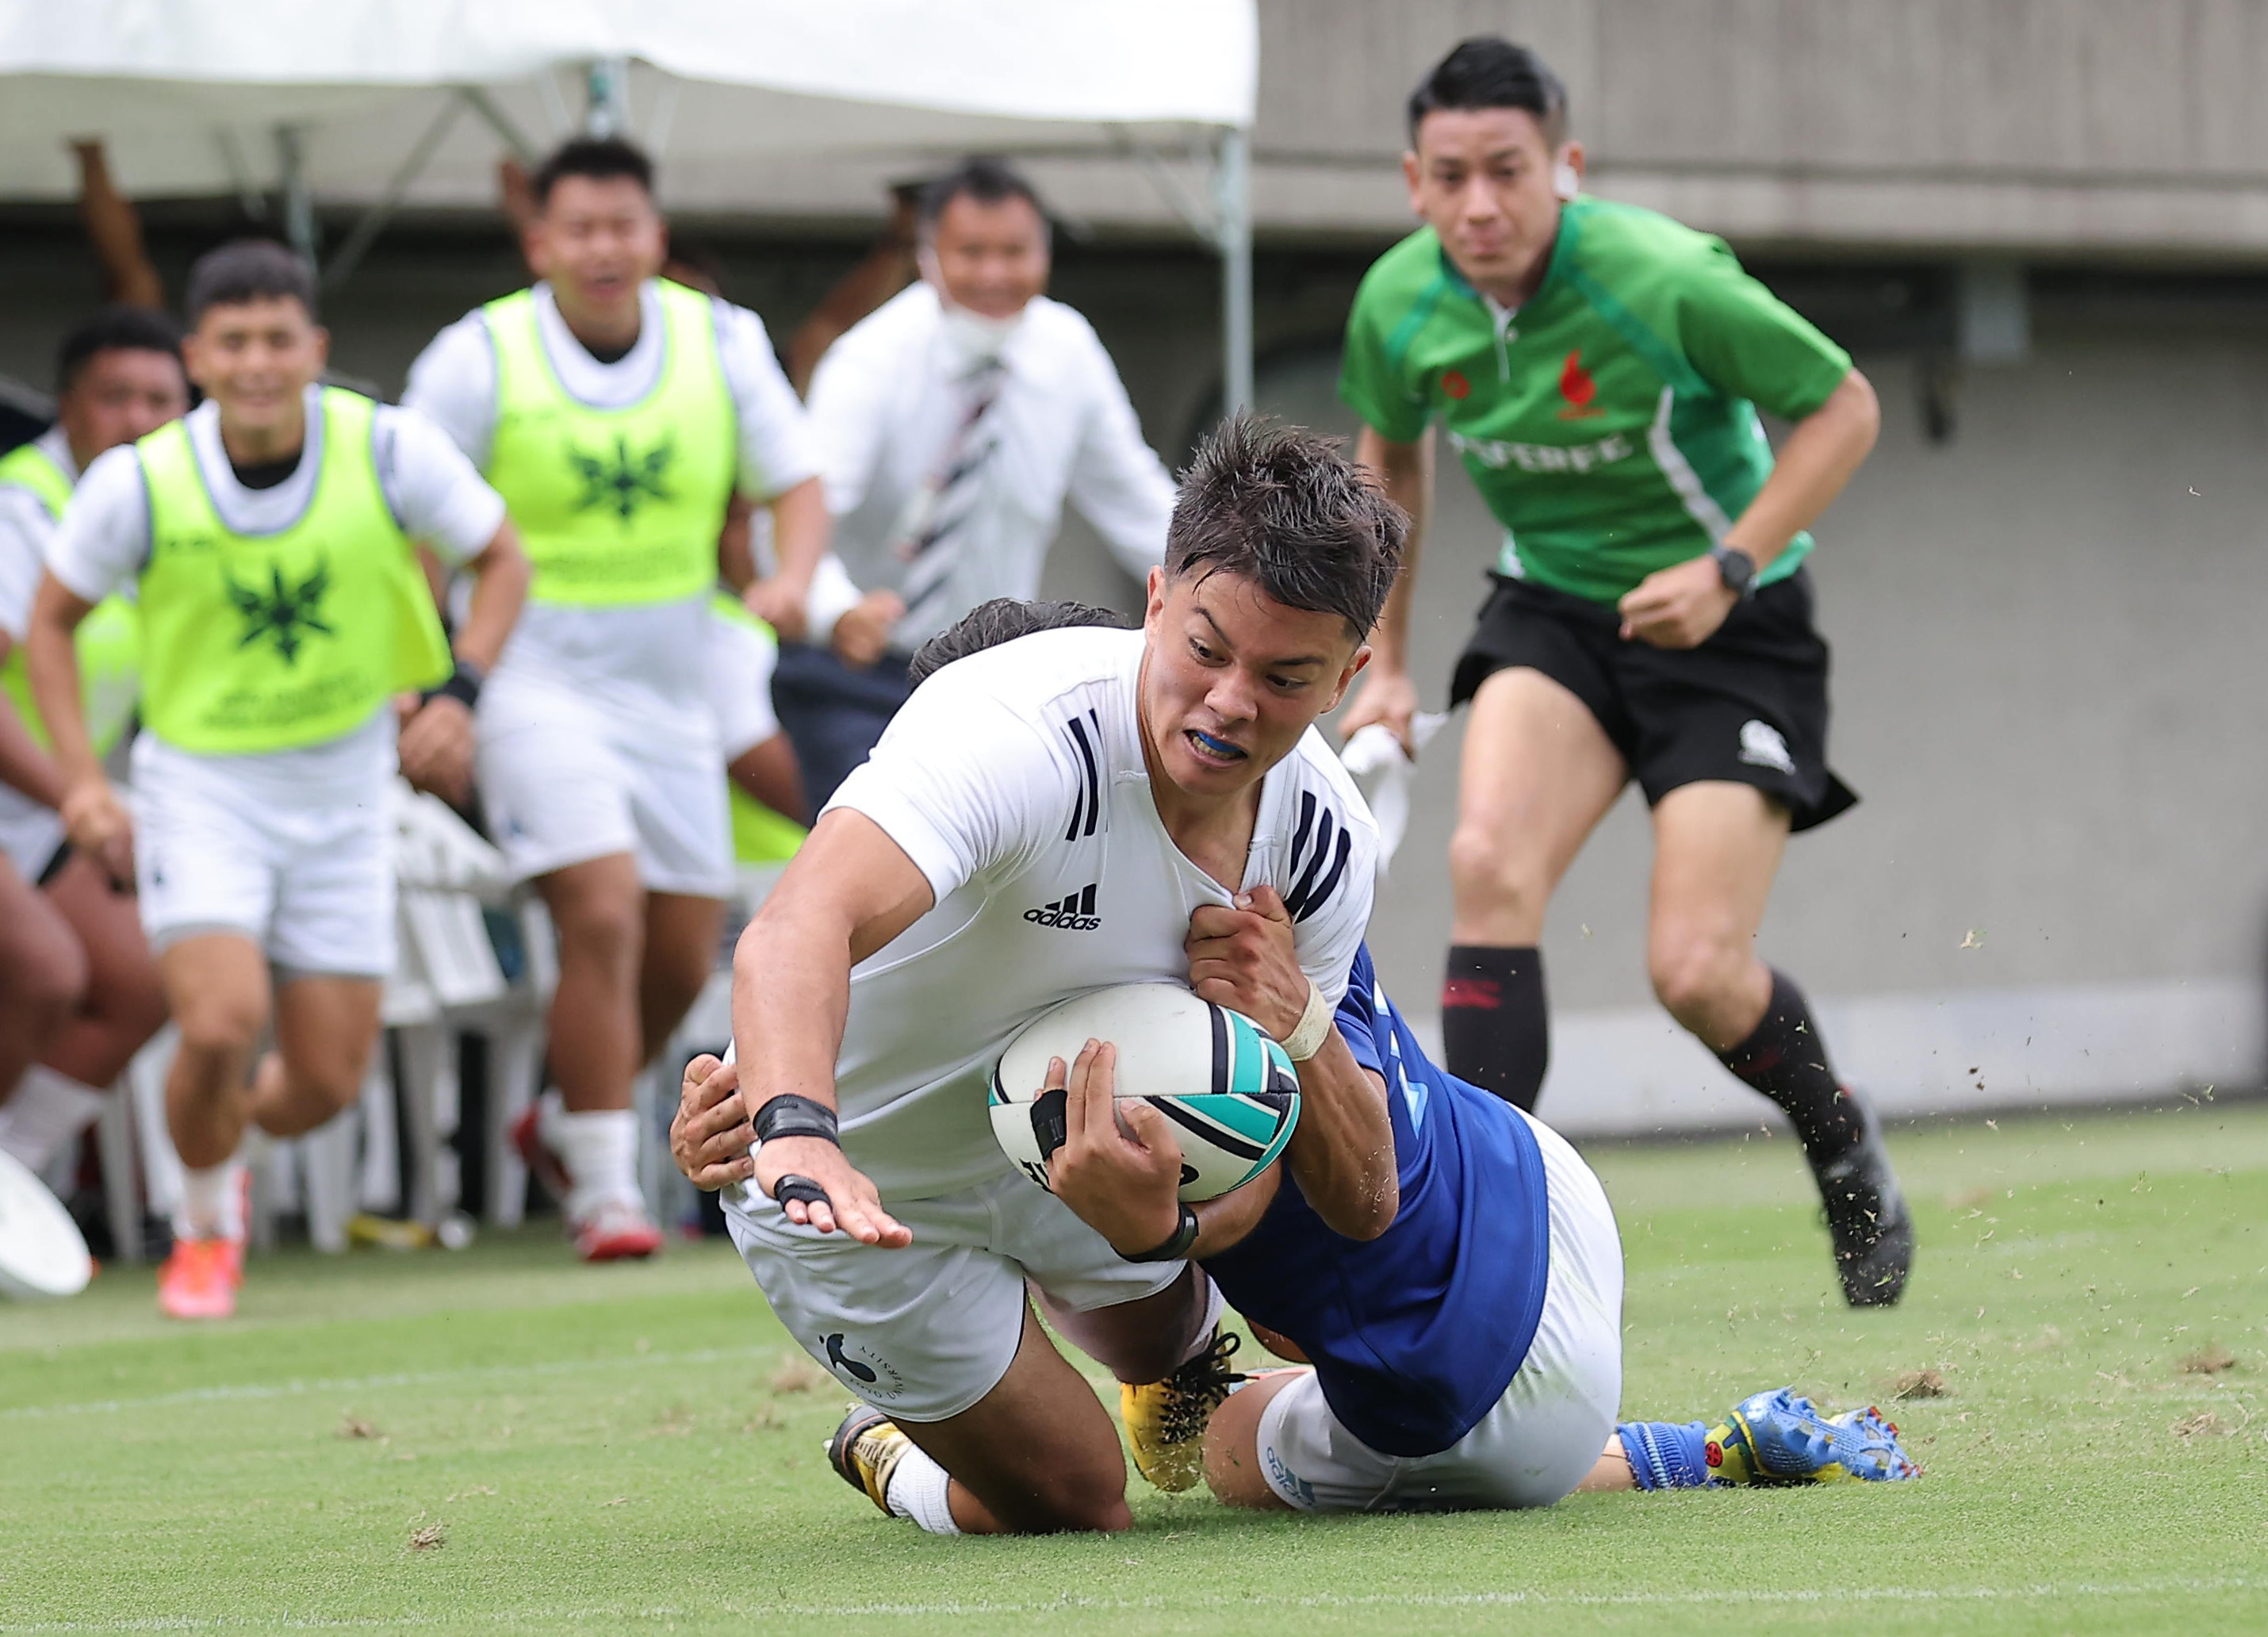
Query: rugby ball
point(1230, 1093)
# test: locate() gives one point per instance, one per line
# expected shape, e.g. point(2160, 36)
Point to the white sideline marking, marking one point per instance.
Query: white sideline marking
point(1724, 1595)
point(363, 1383)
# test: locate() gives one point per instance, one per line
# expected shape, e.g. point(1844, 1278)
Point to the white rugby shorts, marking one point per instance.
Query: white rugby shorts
point(30, 834)
point(312, 886)
point(924, 1332)
point(742, 660)
point(1544, 1434)
point(565, 779)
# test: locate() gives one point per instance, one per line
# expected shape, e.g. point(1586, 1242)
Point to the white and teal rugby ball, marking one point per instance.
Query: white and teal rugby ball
point(1230, 1093)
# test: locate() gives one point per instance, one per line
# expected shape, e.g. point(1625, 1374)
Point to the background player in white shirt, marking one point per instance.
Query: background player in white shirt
point(953, 425)
point(600, 766)
point(1173, 778)
point(79, 990)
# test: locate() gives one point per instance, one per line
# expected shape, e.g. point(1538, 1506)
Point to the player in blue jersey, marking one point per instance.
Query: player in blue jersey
point(1468, 1356)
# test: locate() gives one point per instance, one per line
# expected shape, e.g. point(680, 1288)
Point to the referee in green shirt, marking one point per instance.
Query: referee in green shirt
point(1599, 370)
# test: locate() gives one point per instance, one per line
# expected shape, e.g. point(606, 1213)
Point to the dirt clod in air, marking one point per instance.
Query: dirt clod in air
point(429, 1538)
point(355, 1426)
point(796, 1374)
point(1920, 1384)
point(2204, 1424)
point(2208, 1361)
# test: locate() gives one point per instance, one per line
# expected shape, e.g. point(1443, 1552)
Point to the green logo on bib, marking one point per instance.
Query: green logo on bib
point(625, 484)
point(286, 614)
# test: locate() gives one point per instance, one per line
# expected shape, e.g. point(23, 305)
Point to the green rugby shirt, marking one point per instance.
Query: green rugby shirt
point(1610, 423)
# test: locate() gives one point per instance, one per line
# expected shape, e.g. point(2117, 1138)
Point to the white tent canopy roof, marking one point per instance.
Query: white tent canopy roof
point(189, 94)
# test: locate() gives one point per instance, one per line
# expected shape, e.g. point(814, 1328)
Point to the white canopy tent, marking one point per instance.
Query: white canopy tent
point(753, 107)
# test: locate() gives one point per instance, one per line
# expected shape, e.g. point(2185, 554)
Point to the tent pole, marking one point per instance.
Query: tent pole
point(298, 204)
point(1233, 236)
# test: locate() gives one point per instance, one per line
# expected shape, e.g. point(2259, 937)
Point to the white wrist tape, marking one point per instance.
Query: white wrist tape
point(1314, 1027)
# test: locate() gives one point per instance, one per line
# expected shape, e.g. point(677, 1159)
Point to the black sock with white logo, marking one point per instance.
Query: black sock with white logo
point(1785, 1059)
point(1495, 1031)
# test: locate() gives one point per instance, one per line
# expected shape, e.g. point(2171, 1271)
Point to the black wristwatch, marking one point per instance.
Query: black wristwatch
point(1736, 568)
point(1177, 1243)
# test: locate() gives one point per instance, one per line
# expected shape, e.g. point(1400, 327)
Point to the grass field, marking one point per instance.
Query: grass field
point(502, 1442)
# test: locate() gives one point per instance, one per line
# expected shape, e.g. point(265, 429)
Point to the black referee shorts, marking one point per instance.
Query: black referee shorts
point(1748, 705)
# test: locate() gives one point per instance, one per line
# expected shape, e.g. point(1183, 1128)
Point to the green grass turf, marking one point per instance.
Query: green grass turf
point(606, 1449)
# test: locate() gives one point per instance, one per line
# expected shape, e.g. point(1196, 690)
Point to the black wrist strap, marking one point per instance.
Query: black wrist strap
point(1176, 1245)
point(463, 686)
point(788, 1115)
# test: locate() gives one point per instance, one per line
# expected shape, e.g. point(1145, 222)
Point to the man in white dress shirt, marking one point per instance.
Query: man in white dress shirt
point(952, 423)
point(617, 413)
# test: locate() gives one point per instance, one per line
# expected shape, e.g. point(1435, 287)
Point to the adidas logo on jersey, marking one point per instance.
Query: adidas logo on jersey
point(1074, 910)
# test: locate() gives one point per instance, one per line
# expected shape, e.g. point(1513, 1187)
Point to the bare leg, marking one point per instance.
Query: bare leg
point(680, 939)
point(599, 911)
point(216, 987)
point(125, 1000)
point(768, 773)
point(1232, 1446)
point(42, 976)
point(325, 1028)
point(1612, 1473)
point(1539, 774)
point(1138, 1341)
point(1037, 1454)
point(1717, 847)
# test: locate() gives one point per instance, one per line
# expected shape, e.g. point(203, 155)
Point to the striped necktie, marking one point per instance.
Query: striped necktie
point(939, 520)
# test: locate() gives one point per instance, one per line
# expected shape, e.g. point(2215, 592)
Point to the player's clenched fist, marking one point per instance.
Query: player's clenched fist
point(1244, 958)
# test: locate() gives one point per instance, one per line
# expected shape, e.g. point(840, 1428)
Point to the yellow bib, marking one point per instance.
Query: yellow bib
point(268, 642)
point(616, 506)
point(108, 639)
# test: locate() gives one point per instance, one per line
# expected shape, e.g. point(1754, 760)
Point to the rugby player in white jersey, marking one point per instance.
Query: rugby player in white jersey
point(1072, 810)
point(618, 414)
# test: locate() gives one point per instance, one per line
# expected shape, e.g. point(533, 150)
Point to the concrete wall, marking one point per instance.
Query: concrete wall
point(2131, 126)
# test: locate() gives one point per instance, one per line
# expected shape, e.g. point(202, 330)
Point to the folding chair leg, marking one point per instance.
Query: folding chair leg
point(122, 1181)
point(428, 1074)
point(515, 1062)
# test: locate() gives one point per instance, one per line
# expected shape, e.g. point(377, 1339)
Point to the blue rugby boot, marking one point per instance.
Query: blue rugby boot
point(1777, 1438)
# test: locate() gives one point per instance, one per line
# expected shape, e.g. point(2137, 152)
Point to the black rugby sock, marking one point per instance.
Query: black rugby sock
point(1494, 1027)
point(1786, 1060)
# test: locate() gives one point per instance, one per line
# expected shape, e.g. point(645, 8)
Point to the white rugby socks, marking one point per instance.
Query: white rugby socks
point(917, 1490)
point(48, 1109)
point(212, 1202)
point(1209, 1331)
point(600, 1150)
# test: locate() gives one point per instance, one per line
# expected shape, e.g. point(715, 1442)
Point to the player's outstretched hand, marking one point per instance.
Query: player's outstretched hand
point(1388, 698)
point(1120, 1166)
point(711, 1137)
point(1245, 958)
point(1678, 607)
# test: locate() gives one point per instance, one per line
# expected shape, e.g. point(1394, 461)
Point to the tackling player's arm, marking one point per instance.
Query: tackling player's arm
point(1342, 1152)
point(849, 891)
point(1387, 695)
